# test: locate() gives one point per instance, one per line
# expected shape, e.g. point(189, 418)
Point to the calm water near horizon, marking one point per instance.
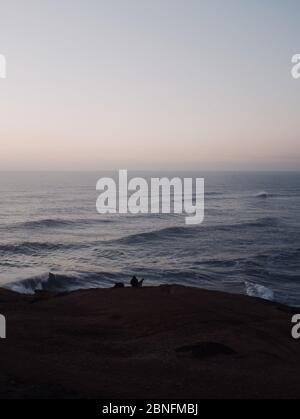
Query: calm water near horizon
point(248, 243)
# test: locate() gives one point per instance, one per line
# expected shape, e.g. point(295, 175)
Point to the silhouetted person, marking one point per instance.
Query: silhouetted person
point(135, 283)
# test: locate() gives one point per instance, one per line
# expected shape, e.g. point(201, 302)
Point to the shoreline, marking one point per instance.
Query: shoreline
point(26, 287)
point(154, 342)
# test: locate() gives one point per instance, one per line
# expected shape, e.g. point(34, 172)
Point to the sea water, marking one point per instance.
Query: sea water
point(249, 241)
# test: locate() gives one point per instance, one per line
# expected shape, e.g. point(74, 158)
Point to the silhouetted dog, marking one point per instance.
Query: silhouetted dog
point(119, 285)
point(51, 276)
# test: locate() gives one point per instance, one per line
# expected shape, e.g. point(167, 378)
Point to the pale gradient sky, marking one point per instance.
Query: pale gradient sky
point(186, 84)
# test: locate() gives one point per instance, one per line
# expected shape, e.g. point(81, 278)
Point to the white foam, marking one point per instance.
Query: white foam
point(259, 291)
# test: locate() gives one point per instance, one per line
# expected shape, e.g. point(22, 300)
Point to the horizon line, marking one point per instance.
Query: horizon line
point(151, 170)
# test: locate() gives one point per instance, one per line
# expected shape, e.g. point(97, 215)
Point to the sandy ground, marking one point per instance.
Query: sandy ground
point(164, 342)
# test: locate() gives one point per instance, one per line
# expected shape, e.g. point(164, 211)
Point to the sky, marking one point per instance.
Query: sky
point(149, 84)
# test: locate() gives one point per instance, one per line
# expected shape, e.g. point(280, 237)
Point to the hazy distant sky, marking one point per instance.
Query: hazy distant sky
point(106, 84)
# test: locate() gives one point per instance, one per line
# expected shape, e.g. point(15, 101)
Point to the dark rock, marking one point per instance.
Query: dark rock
point(205, 350)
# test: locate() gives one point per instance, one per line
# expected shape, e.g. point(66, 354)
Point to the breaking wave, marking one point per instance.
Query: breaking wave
point(259, 291)
point(262, 194)
point(61, 283)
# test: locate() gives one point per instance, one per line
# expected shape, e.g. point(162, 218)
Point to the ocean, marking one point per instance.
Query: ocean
point(249, 242)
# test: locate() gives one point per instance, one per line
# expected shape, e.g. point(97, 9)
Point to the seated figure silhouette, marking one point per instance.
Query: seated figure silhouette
point(135, 283)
